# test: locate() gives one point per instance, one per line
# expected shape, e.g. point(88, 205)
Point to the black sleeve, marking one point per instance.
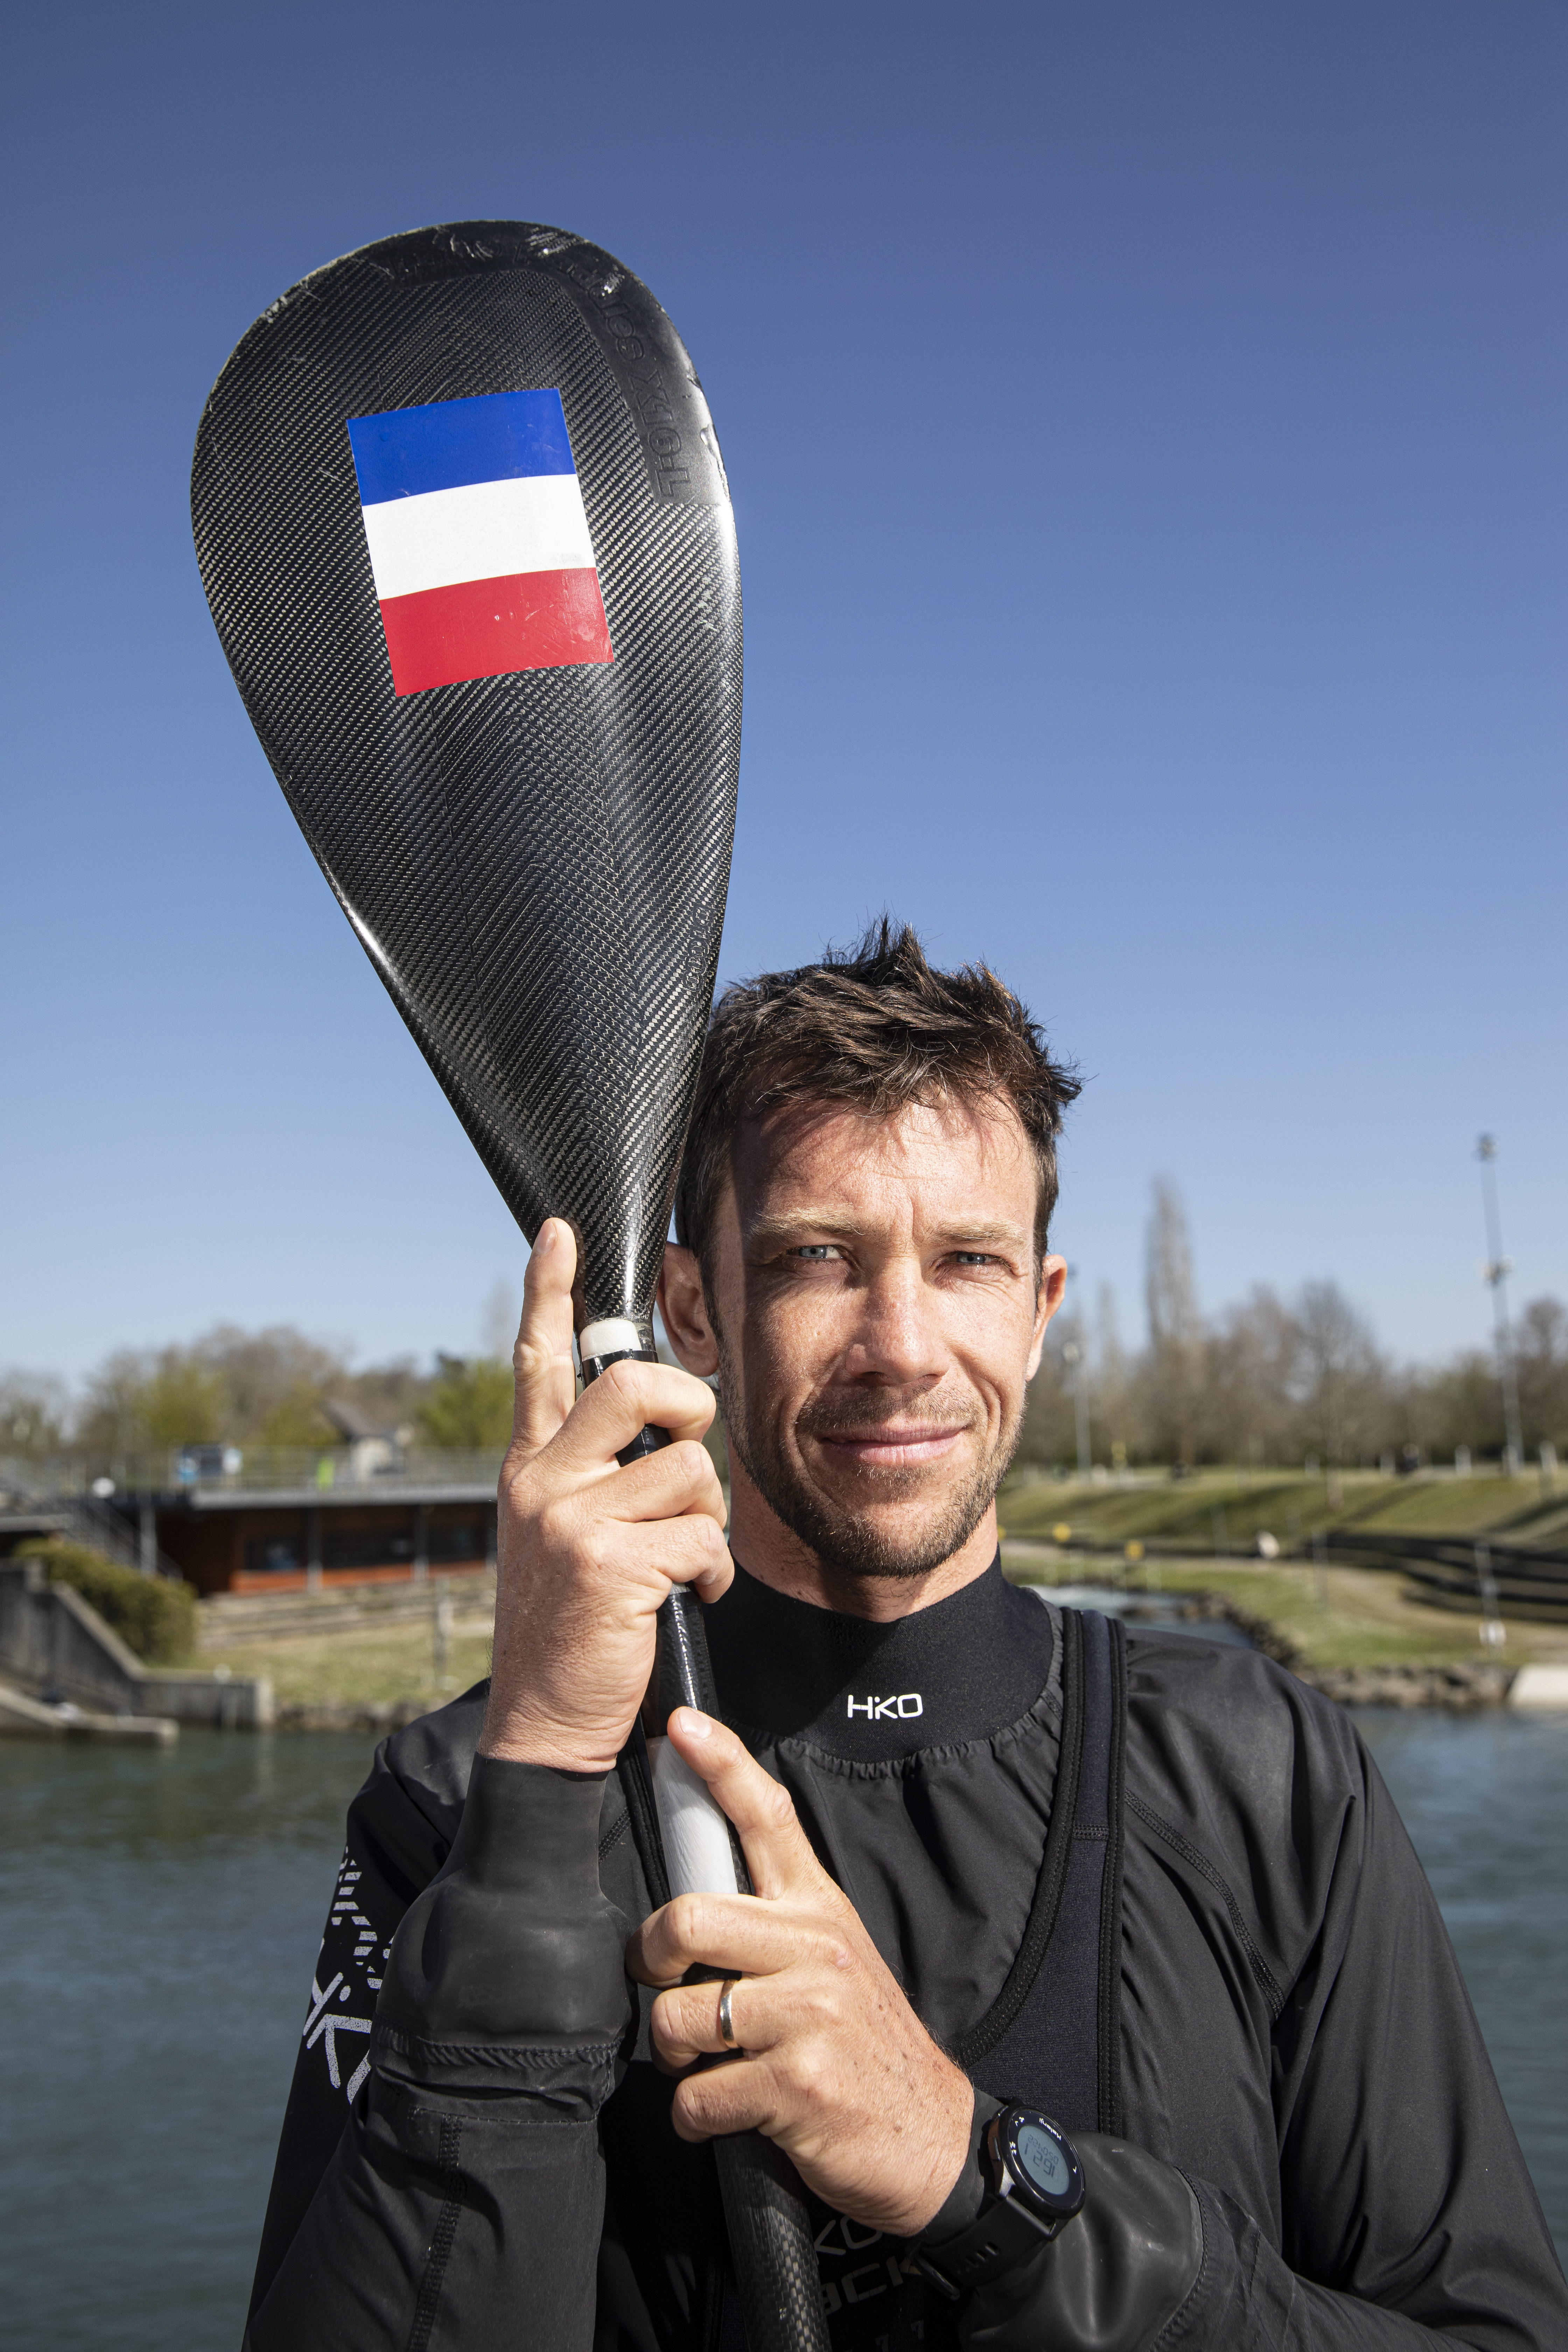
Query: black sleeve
point(401, 1825)
point(462, 2203)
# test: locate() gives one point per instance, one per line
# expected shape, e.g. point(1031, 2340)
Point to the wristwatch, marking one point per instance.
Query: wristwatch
point(1034, 2186)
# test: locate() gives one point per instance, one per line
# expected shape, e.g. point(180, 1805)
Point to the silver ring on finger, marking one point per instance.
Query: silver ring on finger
point(726, 2021)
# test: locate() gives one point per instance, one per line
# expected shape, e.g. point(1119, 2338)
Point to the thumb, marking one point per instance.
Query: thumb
point(544, 1381)
point(778, 1852)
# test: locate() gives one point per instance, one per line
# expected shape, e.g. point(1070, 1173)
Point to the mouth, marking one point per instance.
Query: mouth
point(892, 1448)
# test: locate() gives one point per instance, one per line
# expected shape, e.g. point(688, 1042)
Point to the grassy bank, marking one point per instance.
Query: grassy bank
point(1221, 1511)
point(1353, 1617)
point(1350, 1617)
point(361, 1665)
point(1342, 1617)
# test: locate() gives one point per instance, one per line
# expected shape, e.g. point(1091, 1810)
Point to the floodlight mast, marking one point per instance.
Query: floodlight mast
point(1496, 1272)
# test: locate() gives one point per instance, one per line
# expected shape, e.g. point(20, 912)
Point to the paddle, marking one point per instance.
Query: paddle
point(465, 532)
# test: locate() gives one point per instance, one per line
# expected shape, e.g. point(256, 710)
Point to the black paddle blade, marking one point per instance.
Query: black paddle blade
point(512, 744)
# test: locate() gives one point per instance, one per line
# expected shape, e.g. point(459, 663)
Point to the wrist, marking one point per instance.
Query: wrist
point(513, 1941)
point(517, 1733)
point(957, 2113)
point(967, 2193)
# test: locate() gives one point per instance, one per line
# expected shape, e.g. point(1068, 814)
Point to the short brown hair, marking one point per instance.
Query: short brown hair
point(872, 1026)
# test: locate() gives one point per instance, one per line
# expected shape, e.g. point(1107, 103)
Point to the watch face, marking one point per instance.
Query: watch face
point(1043, 2162)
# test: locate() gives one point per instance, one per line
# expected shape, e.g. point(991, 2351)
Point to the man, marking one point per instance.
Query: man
point(1091, 1986)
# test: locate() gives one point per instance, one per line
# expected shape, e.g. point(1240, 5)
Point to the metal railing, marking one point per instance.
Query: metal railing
point(1468, 1572)
point(86, 1518)
point(372, 1464)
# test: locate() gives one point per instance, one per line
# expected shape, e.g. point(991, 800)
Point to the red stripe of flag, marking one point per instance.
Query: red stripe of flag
point(485, 628)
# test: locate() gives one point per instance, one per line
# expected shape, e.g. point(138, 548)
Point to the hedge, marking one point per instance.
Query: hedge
point(154, 1616)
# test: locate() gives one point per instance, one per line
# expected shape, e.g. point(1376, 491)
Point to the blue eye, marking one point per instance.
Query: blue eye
point(818, 1250)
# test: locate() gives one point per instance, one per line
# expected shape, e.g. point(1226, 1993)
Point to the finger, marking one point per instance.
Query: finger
point(737, 1933)
point(543, 1380)
point(677, 1478)
point(719, 2100)
point(686, 1549)
point(778, 1850)
point(685, 2023)
point(621, 1402)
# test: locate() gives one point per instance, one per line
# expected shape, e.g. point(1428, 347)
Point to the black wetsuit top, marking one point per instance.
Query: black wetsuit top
point(478, 2159)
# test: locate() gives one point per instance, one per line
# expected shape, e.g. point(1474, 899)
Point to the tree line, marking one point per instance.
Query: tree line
point(1271, 1380)
point(1277, 1380)
point(271, 1388)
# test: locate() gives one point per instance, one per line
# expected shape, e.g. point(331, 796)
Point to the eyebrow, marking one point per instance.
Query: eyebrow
point(794, 1225)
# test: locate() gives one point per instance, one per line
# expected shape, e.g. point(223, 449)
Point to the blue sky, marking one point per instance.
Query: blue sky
point(1145, 422)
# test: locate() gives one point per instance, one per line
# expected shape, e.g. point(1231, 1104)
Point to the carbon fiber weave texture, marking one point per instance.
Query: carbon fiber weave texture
point(771, 2239)
point(536, 864)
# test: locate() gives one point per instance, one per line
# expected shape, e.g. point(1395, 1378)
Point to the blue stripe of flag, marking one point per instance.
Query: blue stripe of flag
point(447, 444)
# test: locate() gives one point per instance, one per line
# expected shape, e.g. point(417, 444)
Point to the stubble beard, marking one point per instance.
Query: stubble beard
point(844, 1543)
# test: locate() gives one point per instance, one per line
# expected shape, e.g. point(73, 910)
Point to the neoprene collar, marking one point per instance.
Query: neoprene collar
point(959, 1670)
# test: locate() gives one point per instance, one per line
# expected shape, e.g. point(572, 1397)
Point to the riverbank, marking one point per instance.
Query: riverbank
point(369, 1664)
point(349, 1674)
point(1361, 1636)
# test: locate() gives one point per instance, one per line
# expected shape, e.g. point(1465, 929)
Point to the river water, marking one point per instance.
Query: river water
point(161, 1915)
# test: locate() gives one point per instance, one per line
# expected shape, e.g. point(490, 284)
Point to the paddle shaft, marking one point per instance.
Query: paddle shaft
point(764, 2206)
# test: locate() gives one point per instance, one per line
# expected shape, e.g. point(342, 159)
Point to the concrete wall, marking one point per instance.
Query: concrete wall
point(50, 1640)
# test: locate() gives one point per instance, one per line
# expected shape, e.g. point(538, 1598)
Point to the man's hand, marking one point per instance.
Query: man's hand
point(586, 1550)
point(838, 2068)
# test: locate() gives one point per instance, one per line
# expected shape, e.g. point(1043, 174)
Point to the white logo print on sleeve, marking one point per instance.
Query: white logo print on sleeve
point(882, 1710)
point(351, 1942)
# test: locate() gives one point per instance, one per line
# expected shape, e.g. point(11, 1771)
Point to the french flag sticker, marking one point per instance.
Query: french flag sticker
point(477, 539)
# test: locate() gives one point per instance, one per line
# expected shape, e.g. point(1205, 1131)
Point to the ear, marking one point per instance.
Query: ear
point(1053, 1287)
point(685, 1311)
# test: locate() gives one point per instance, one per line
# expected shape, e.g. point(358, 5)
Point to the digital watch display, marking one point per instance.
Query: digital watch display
point(1033, 2186)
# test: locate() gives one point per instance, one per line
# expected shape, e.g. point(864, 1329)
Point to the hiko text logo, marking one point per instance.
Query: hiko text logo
point(882, 1710)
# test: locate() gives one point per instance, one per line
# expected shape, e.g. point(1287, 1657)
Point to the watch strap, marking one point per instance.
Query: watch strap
point(1004, 2234)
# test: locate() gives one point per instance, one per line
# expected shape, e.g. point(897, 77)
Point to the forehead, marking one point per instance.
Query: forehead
point(935, 1157)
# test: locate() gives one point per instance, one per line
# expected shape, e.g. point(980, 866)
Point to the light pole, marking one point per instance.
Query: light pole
point(1496, 1271)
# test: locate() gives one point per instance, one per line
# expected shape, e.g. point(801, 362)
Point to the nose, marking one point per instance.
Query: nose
point(897, 1342)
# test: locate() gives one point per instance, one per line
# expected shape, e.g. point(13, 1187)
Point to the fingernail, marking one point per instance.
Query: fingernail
point(694, 1726)
point(545, 1240)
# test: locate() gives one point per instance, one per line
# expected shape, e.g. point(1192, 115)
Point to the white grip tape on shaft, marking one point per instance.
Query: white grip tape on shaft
point(696, 1849)
point(613, 1336)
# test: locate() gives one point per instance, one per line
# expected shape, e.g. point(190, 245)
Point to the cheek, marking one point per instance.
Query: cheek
point(992, 1338)
point(793, 1336)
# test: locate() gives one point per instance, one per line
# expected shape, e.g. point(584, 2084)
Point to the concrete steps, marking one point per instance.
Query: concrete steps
point(227, 1619)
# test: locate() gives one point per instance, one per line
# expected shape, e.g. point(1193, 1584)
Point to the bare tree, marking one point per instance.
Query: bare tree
point(35, 1415)
point(1541, 1350)
point(1114, 1403)
point(1341, 1376)
point(1046, 1438)
point(1172, 1369)
point(1249, 1382)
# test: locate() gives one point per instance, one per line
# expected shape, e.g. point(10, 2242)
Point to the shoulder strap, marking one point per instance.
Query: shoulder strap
point(1052, 2035)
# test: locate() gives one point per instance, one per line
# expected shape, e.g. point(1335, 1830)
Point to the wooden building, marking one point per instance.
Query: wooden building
point(227, 1538)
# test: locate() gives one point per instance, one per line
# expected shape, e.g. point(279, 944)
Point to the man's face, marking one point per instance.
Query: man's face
point(878, 1318)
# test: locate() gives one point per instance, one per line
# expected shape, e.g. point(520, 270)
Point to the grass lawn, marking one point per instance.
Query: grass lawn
point(1369, 1620)
point(361, 1665)
point(1224, 1510)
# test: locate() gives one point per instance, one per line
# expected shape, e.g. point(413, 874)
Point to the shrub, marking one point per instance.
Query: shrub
point(154, 1616)
point(469, 1406)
